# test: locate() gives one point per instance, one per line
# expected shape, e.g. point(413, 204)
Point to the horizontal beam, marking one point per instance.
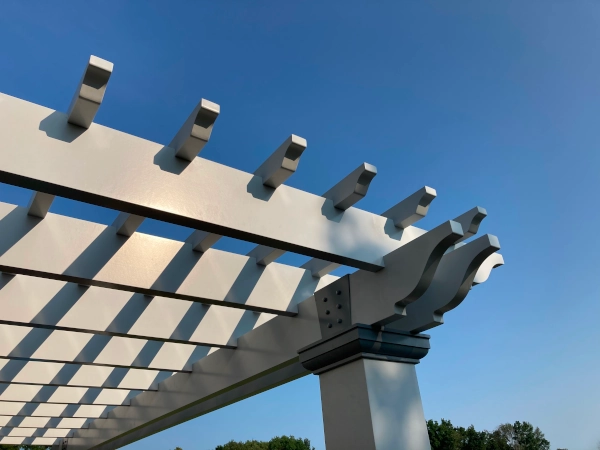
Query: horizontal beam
point(87, 253)
point(77, 375)
point(43, 441)
point(42, 422)
point(35, 432)
point(32, 409)
point(149, 181)
point(259, 363)
point(271, 348)
point(90, 92)
point(65, 395)
point(56, 305)
point(37, 344)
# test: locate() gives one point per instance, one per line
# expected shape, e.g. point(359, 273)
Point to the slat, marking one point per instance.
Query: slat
point(90, 92)
point(201, 240)
point(28, 409)
point(35, 344)
point(39, 204)
point(44, 441)
point(65, 394)
point(84, 106)
point(196, 130)
point(35, 432)
point(402, 215)
point(412, 209)
point(127, 224)
point(17, 371)
point(42, 422)
point(282, 163)
point(56, 305)
point(122, 172)
point(66, 249)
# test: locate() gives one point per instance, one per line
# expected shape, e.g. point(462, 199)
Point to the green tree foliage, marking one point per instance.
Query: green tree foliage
point(277, 443)
point(23, 447)
point(517, 436)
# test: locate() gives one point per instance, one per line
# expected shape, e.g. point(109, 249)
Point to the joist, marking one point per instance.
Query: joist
point(18, 371)
point(71, 250)
point(56, 346)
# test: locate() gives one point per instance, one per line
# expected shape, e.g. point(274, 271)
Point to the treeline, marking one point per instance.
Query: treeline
point(442, 435)
point(516, 436)
point(277, 443)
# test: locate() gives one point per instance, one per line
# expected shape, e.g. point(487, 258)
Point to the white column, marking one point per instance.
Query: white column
point(373, 404)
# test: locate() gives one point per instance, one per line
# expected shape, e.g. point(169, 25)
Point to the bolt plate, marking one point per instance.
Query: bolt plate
point(333, 307)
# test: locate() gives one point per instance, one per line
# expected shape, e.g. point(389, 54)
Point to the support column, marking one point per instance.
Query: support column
point(369, 391)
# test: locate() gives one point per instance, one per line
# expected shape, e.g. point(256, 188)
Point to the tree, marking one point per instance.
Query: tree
point(522, 436)
point(289, 443)
point(248, 445)
point(517, 436)
point(277, 443)
point(443, 436)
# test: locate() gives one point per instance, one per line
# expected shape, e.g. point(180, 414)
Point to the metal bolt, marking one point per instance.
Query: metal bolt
point(338, 306)
point(339, 320)
point(327, 312)
point(338, 292)
point(325, 299)
point(329, 325)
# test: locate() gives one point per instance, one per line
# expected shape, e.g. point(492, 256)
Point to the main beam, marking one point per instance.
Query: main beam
point(105, 167)
point(87, 253)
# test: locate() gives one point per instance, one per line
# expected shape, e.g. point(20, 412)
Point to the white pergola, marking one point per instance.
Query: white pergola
point(109, 335)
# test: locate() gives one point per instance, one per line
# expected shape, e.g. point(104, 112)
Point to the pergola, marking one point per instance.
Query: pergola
point(109, 335)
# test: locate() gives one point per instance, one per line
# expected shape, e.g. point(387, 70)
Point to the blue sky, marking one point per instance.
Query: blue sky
point(493, 103)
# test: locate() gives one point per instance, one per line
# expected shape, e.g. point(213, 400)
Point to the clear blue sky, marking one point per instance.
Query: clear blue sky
point(493, 103)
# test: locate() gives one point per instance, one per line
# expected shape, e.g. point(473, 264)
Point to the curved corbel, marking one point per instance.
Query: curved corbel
point(380, 298)
point(451, 284)
point(470, 221)
point(493, 261)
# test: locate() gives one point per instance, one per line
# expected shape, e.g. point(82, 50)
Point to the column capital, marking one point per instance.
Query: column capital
point(363, 342)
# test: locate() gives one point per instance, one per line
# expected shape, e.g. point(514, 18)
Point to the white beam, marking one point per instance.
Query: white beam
point(39, 204)
point(56, 305)
point(195, 132)
point(43, 441)
point(282, 163)
point(149, 181)
point(36, 344)
point(28, 409)
point(90, 92)
point(412, 209)
point(71, 250)
point(18, 371)
point(65, 394)
point(41, 422)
